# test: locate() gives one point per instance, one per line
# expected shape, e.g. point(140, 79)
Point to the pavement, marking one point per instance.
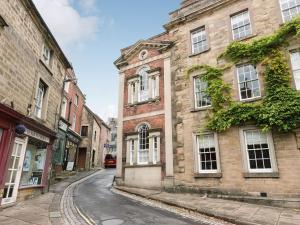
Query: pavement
point(42, 210)
point(228, 210)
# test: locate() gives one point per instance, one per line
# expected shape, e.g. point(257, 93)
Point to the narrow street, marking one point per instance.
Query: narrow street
point(97, 201)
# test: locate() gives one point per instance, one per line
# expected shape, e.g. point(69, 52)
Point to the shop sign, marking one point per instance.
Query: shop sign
point(70, 166)
point(37, 136)
point(63, 126)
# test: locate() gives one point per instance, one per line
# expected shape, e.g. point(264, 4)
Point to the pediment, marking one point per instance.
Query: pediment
point(135, 49)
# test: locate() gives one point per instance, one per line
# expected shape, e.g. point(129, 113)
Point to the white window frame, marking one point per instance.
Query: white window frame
point(155, 149)
point(138, 146)
point(239, 83)
point(76, 100)
point(195, 95)
point(245, 154)
point(64, 107)
point(46, 54)
point(281, 9)
point(74, 121)
point(295, 68)
point(200, 32)
point(131, 151)
point(198, 161)
point(67, 86)
point(232, 17)
point(39, 99)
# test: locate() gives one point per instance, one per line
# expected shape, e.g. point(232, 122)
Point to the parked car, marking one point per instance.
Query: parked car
point(110, 161)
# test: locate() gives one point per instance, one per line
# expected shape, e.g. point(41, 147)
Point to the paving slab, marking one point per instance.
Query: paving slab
point(228, 210)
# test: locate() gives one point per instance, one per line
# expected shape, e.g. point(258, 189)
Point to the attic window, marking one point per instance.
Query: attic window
point(143, 54)
point(2, 22)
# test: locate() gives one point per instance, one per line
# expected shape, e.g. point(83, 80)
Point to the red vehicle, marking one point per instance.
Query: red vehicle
point(110, 161)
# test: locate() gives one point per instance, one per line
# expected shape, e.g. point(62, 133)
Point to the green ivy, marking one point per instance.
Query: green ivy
point(279, 108)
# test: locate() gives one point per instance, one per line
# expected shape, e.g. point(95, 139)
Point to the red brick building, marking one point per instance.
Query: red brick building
point(145, 88)
point(70, 125)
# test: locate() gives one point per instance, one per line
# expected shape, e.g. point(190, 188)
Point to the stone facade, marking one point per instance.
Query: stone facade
point(32, 70)
point(233, 176)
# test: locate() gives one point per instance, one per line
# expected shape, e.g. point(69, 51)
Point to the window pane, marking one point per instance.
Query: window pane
point(258, 150)
point(290, 8)
point(207, 155)
point(248, 82)
point(199, 43)
point(143, 144)
point(241, 26)
point(201, 98)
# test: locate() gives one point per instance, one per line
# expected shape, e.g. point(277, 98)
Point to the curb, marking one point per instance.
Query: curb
point(55, 216)
point(194, 209)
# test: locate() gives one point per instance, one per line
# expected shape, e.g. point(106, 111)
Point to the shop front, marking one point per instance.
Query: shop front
point(28, 163)
point(71, 150)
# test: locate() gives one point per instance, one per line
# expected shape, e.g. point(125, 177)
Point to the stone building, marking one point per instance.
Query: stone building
point(144, 137)
point(32, 70)
point(239, 161)
point(112, 123)
point(226, 162)
point(94, 133)
point(69, 125)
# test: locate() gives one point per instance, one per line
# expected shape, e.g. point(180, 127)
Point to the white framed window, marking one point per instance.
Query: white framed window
point(207, 153)
point(39, 99)
point(76, 100)
point(198, 40)
point(74, 122)
point(201, 98)
point(143, 144)
point(241, 25)
point(289, 9)
point(154, 88)
point(143, 74)
point(295, 61)
point(155, 149)
point(132, 151)
point(259, 151)
point(248, 82)
point(46, 54)
point(64, 107)
point(67, 86)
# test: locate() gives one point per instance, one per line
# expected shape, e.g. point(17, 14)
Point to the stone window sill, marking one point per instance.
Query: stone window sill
point(201, 109)
point(245, 38)
point(143, 165)
point(149, 101)
point(46, 66)
point(208, 175)
point(261, 175)
point(199, 53)
point(251, 99)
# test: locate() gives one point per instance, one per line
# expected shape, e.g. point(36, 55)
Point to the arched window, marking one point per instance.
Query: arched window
point(143, 151)
point(143, 84)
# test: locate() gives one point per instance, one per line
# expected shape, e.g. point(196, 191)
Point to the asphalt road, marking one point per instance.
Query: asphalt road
point(95, 199)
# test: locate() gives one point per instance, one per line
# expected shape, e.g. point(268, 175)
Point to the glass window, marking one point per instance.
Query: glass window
point(95, 135)
point(40, 99)
point(201, 97)
point(64, 107)
point(155, 150)
point(258, 151)
point(131, 152)
point(207, 155)
point(295, 61)
point(84, 131)
point(154, 89)
point(199, 42)
point(143, 150)
point(241, 26)
point(1, 132)
point(34, 162)
point(46, 54)
point(143, 84)
point(76, 100)
point(74, 122)
point(67, 86)
point(248, 82)
point(289, 9)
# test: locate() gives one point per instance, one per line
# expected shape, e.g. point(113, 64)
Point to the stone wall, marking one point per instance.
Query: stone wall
point(21, 64)
point(265, 19)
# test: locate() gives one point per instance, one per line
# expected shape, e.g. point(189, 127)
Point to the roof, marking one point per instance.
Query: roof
point(99, 121)
point(30, 6)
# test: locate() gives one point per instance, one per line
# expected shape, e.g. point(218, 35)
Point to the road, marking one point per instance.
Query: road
point(94, 199)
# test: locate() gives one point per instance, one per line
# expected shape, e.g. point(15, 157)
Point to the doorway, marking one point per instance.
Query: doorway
point(81, 158)
point(14, 171)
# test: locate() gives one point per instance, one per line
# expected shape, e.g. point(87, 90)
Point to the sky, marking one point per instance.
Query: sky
point(91, 34)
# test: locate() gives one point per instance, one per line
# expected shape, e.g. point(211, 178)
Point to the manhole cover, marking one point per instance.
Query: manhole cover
point(112, 222)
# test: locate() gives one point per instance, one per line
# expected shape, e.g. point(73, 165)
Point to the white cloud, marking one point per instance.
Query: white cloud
point(66, 23)
point(87, 4)
point(107, 112)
